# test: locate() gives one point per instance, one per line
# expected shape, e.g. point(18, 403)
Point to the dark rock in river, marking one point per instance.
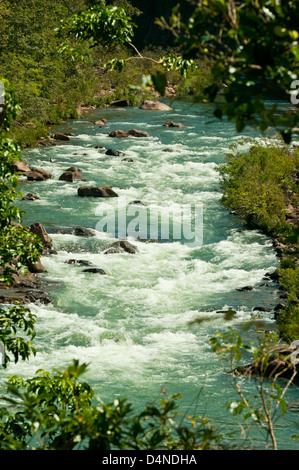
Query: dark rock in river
point(39, 230)
point(120, 103)
point(114, 153)
point(121, 247)
point(137, 203)
point(153, 105)
point(93, 191)
point(118, 134)
point(24, 295)
point(173, 124)
point(30, 197)
point(37, 267)
point(83, 232)
point(61, 136)
point(21, 167)
point(131, 132)
point(285, 295)
point(244, 289)
point(35, 176)
point(30, 281)
point(94, 270)
point(274, 276)
point(72, 174)
point(100, 122)
point(80, 262)
point(38, 297)
point(279, 307)
point(137, 133)
point(38, 175)
point(130, 160)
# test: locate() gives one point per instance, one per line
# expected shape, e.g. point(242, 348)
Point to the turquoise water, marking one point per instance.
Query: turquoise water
point(136, 327)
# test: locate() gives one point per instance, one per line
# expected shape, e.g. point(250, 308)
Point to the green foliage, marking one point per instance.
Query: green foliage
point(17, 244)
point(254, 184)
point(109, 26)
point(49, 86)
point(260, 185)
point(174, 62)
point(269, 404)
point(250, 65)
point(14, 320)
point(55, 73)
point(288, 318)
point(27, 134)
point(196, 81)
point(130, 9)
point(60, 412)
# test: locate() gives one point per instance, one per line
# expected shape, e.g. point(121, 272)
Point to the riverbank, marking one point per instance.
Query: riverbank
point(110, 88)
point(261, 185)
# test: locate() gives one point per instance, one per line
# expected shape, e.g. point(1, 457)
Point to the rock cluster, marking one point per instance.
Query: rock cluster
point(72, 174)
point(131, 133)
point(94, 191)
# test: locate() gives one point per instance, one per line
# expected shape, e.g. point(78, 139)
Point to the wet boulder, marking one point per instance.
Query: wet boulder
point(173, 124)
point(94, 270)
point(83, 232)
point(274, 276)
point(130, 133)
point(79, 262)
point(279, 307)
point(120, 103)
point(154, 105)
point(118, 134)
point(73, 168)
point(35, 176)
point(30, 197)
point(137, 202)
point(94, 191)
point(36, 268)
point(21, 167)
point(122, 246)
point(40, 231)
point(100, 122)
point(72, 174)
point(114, 153)
point(38, 174)
point(137, 133)
point(38, 297)
point(61, 136)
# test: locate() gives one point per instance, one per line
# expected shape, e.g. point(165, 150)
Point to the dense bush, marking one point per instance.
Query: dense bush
point(54, 74)
point(261, 185)
point(254, 184)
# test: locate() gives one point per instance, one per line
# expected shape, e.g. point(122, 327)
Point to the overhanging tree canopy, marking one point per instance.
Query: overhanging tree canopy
point(254, 47)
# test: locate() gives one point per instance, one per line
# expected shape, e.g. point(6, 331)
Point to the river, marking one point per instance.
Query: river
point(139, 326)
